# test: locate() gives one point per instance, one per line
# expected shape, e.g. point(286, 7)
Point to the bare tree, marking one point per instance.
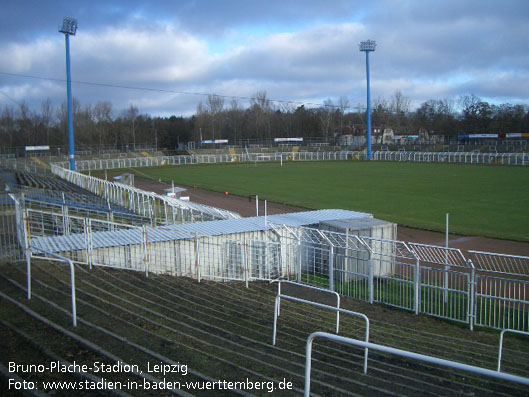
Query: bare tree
point(46, 116)
point(131, 115)
point(26, 130)
point(399, 103)
point(326, 113)
point(288, 110)
point(343, 105)
point(215, 106)
point(102, 114)
point(381, 113)
point(261, 110)
point(477, 114)
point(399, 106)
point(7, 126)
point(202, 120)
point(234, 119)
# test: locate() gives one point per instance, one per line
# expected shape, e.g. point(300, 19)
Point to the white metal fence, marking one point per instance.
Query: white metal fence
point(160, 209)
point(502, 290)
point(454, 157)
point(11, 231)
point(402, 353)
point(481, 290)
point(418, 157)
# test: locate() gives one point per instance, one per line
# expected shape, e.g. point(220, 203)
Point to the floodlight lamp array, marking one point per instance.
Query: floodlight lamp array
point(69, 26)
point(368, 45)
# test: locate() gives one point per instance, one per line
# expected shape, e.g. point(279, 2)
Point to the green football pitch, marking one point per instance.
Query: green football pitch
point(489, 201)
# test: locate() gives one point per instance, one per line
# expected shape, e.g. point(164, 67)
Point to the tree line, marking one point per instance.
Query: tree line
point(215, 118)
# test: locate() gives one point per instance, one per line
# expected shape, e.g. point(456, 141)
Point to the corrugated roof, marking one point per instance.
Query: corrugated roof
point(355, 224)
point(188, 230)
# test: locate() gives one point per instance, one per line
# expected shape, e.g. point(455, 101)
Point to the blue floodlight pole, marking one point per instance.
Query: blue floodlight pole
point(69, 27)
point(367, 47)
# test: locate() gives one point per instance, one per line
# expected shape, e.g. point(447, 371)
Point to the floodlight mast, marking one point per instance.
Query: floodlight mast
point(367, 47)
point(69, 27)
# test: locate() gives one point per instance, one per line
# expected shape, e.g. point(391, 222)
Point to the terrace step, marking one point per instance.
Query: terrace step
point(223, 331)
point(97, 336)
point(221, 351)
point(48, 333)
point(207, 290)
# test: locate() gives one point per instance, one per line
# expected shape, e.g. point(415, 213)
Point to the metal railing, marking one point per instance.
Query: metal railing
point(279, 282)
point(55, 257)
point(161, 209)
point(500, 348)
point(402, 353)
point(101, 164)
point(446, 280)
point(501, 290)
point(416, 157)
point(326, 307)
point(454, 157)
point(412, 281)
point(11, 227)
point(481, 291)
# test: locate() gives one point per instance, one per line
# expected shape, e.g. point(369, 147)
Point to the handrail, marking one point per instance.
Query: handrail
point(322, 306)
point(72, 278)
point(105, 222)
point(310, 287)
point(402, 353)
point(501, 343)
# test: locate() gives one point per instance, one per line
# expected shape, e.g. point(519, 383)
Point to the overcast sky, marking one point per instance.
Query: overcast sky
point(301, 51)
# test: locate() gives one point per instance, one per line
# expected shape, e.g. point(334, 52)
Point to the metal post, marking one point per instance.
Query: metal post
point(308, 359)
point(279, 298)
point(447, 267)
point(90, 243)
point(367, 47)
point(371, 277)
point(298, 278)
point(417, 287)
point(28, 270)
point(72, 283)
point(71, 150)
point(246, 267)
point(145, 253)
point(85, 234)
point(276, 309)
point(472, 292)
point(197, 259)
point(331, 268)
point(256, 205)
point(265, 213)
point(27, 250)
point(368, 108)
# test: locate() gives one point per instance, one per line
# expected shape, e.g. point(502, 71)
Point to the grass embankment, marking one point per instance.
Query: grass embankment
point(482, 200)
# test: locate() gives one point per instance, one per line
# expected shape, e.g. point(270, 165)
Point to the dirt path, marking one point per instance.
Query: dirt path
point(246, 207)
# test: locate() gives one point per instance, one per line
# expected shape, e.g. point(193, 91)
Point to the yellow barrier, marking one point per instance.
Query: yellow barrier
point(40, 162)
point(233, 155)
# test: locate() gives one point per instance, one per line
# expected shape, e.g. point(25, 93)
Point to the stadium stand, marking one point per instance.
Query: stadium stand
point(222, 331)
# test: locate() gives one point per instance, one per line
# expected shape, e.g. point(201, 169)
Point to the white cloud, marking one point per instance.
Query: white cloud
point(325, 52)
point(24, 57)
point(294, 51)
point(149, 56)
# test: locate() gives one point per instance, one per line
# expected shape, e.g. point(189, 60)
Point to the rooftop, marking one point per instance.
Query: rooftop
point(189, 230)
